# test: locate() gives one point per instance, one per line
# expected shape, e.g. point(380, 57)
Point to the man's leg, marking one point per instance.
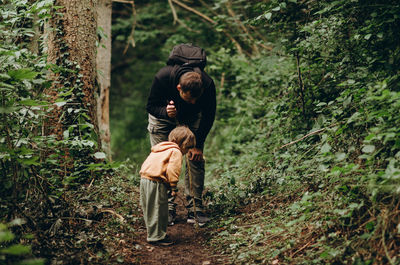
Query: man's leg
point(159, 130)
point(194, 191)
point(196, 179)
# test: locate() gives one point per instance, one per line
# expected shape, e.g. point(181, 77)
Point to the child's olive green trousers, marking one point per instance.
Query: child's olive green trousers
point(154, 202)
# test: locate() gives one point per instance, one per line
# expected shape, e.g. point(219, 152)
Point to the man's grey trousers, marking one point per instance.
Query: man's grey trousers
point(159, 130)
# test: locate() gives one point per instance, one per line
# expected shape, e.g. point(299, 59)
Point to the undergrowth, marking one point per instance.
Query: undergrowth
point(306, 144)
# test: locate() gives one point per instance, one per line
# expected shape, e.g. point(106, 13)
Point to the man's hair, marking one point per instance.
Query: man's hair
point(183, 137)
point(191, 81)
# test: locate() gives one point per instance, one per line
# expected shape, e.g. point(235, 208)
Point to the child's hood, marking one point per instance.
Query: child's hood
point(164, 146)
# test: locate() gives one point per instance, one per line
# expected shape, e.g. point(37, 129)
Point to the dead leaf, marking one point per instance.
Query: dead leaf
point(207, 262)
point(150, 249)
point(275, 262)
point(137, 246)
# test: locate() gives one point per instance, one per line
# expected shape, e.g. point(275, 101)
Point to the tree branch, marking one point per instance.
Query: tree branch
point(235, 42)
point(131, 35)
point(173, 11)
point(305, 136)
point(175, 15)
point(194, 11)
point(241, 26)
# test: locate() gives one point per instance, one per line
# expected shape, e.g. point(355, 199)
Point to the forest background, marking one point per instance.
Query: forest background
point(306, 138)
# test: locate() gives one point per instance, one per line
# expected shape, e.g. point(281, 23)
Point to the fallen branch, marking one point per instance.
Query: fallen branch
point(113, 213)
point(300, 249)
point(77, 218)
point(124, 1)
point(305, 136)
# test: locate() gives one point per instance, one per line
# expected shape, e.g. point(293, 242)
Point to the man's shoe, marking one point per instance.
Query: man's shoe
point(163, 242)
point(190, 218)
point(171, 218)
point(202, 219)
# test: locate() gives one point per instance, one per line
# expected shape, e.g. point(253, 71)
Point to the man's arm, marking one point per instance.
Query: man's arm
point(209, 106)
point(158, 99)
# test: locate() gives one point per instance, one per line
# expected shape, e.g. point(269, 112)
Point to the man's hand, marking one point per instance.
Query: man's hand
point(195, 154)
point(174, 193)
point(171, 110)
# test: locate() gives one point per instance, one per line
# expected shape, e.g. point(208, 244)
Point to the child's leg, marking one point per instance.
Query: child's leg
point(159, 130)
point(154, 201)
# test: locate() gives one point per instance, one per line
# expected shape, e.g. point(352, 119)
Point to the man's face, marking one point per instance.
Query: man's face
point(186, 96)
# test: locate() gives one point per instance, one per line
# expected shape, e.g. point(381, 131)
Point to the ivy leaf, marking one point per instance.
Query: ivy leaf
point(340, 156)
point(99, 155)
point(325, 148)
point(353, 117)
point(17, 221)
point(7, 110)
point(32, 161)
point(66, 134)
point(370, 226)
point(268, 15)
point(6, 236)
point(368, 36)
point(368, 149)
point(4, 76)
point(347, 101)
point(31, 102)
point(60, 104)
point(22, 74)
point(5, 86)
point(16, 250)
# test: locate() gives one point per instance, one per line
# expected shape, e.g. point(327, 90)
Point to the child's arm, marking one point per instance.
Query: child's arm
point(174, 168)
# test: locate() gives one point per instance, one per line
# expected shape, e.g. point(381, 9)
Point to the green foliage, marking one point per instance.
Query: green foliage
point(22, 106)
point(38, 169)
point(307, 131)
point(12, 252)
point(315, 126)
point(305, 150)
point(25, 148)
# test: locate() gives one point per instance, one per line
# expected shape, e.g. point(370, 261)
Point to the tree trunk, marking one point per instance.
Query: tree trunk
point(103, 61)
point(72, 52)
point(72, 45)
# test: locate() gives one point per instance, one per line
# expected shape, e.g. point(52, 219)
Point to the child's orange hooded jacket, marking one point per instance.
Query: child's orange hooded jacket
point(163, 164)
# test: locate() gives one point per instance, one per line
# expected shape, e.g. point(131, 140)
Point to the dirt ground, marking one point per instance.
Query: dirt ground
point(190, 244)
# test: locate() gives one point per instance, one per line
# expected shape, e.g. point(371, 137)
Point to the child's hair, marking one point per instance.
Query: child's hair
point(183, 137)
point(191, 81)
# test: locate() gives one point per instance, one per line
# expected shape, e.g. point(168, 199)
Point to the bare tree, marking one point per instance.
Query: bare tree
point(103, 60)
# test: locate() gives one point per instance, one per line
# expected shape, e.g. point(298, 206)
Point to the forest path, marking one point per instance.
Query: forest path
point(190, 245)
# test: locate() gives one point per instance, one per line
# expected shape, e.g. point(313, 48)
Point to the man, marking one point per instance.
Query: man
point(182, 95)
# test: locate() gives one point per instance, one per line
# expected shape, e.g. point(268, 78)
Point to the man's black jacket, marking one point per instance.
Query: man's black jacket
point(164, 90)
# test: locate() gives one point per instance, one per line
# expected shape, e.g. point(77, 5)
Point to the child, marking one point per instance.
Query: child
point(159, 172)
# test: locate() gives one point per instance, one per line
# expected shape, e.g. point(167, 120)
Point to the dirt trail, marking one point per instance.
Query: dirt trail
point(190, 244)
